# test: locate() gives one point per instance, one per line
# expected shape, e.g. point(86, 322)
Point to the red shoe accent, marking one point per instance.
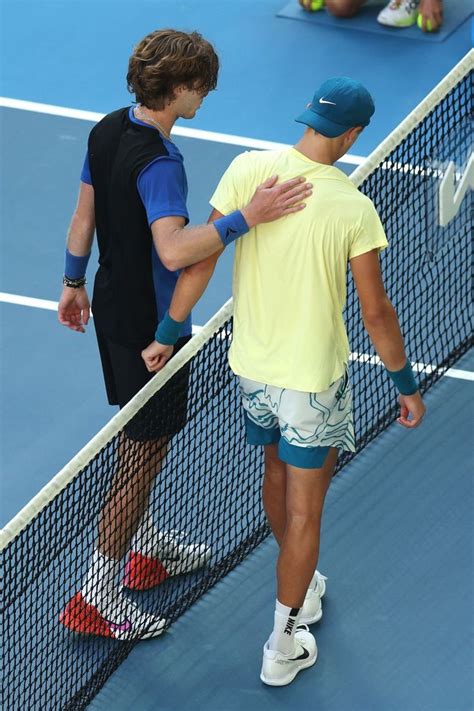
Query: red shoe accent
point(143, 573)
point(79, 616)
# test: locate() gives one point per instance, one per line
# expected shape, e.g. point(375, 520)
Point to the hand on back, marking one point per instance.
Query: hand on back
point(273, 200)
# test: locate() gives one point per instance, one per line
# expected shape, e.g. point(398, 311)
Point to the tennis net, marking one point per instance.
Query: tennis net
point(209, 484)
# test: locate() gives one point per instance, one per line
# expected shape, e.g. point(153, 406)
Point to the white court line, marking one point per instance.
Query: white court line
point(28, 301)
point(361, 357)
point(177, 130)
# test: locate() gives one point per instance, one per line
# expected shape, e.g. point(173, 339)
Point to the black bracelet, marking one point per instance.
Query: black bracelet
point(74, 283)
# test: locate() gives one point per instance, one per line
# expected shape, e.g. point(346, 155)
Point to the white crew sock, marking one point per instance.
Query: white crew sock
point(282, 639)
point(147, 538)
point(101, 586)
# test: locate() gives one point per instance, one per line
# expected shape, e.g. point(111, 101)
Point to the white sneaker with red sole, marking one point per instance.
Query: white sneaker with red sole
point(171, 555)
point(124, 621)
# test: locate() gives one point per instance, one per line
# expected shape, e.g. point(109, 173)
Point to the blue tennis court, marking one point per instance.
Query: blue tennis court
point(397, 541)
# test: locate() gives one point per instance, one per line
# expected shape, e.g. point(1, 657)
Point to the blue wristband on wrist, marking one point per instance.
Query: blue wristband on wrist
point(231, 227)
point(75, 267)
point(404, 380)
point(168, 330)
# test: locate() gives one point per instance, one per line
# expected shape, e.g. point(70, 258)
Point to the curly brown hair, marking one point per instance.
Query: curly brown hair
point(166, 59)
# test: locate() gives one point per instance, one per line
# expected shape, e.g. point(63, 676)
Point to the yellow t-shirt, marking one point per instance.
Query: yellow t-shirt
point(289, 279)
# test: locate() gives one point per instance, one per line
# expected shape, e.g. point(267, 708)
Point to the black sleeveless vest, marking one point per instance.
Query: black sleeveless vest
point(123, 303)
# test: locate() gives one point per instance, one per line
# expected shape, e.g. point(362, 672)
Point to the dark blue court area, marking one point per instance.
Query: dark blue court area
point(397, 545)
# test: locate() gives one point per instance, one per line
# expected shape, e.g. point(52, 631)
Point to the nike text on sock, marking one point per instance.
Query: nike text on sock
point(285, 623)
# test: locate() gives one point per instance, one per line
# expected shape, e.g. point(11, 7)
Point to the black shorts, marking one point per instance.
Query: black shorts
point(125, 374)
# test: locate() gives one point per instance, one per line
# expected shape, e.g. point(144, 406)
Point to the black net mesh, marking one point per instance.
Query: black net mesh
point(204, 481)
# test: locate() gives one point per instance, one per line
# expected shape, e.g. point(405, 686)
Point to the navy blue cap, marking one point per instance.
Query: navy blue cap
point(339, 104)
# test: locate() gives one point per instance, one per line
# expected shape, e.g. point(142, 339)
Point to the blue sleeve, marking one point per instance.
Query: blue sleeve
point(163, 189)
point(86, 171)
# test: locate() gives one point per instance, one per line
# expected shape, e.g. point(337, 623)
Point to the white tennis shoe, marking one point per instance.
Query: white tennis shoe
point(312, 607)
point(399, 13)
point(280, 669)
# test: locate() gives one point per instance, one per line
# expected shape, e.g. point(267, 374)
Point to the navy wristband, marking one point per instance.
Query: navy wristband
point(231, 227)
point(404, 380)
point(75, 267)
point(168, 330)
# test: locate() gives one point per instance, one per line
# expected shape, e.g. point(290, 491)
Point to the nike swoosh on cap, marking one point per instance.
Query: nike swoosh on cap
point(323, 101)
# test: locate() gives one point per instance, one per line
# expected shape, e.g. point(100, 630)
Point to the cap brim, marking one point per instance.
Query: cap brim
point(327, 128)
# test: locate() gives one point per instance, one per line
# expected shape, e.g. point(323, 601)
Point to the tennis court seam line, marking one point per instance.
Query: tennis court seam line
point(185, 132)
point(361, 357)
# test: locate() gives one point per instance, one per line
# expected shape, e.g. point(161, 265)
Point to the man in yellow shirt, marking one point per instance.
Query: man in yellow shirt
point(290, 348)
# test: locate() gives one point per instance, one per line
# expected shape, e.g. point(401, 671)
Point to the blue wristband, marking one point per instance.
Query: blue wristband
point(404, 380)
point(75, 267)
point(168, 330)
point(231, 227)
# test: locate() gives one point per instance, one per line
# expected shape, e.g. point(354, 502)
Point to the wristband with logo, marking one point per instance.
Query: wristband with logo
point(231, 227)
point(404, 380)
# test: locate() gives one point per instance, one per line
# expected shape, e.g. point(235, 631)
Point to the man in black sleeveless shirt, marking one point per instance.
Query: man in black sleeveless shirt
point(133, 194)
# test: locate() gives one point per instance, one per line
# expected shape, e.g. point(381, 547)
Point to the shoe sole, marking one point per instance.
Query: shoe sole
point(288, 679)
point(135, 638)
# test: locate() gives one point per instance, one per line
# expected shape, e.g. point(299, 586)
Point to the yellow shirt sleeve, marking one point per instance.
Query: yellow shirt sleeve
point(369, 234)
point(228, 195)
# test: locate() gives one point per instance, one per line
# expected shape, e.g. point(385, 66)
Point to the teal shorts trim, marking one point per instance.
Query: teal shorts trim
point(301, 457)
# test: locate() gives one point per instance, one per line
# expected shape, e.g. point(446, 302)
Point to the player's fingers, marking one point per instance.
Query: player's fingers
point(405, 422)
point(288, 185)
point(404, 411)
point(269, 182)
point(86, 313)
point(410, 424)
point(301, 191)
point(296, 200)
point(294, 208)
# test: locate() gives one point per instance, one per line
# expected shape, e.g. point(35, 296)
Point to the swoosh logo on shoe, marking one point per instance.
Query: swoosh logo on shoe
point(125, 626)
point(323, 101)
point(303, 655)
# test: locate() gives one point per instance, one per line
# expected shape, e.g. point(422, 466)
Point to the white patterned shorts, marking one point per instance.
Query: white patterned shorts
point(304, 425)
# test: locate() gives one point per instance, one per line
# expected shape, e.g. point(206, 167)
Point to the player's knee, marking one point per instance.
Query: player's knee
point(302, 521)
point(342, 8)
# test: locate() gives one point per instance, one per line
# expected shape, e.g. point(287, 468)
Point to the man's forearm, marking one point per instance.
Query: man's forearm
point(189, 245)
point(384, 331)
point(80, 236)
point(190, 287)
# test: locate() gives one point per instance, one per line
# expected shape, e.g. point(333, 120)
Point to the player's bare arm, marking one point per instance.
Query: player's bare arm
point(74, 306)
point(179, 246)
point(381, 322)
point(190, 286)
